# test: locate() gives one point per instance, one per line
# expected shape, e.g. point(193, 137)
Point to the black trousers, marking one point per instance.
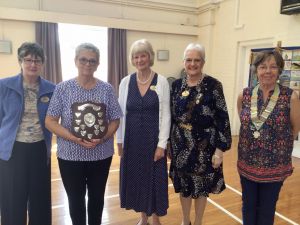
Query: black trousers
point(25, 184)
point(259, 201)
point(79, 177)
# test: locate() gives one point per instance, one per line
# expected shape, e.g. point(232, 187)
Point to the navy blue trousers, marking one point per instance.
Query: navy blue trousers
point(80, 177)
point(25, 185)
point(259, 201)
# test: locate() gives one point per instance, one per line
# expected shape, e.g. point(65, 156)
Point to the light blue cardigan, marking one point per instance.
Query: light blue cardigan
point(163, 92)
point(12, 108)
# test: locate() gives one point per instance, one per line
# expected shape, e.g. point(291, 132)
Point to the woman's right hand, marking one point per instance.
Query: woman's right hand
point(169, 154)
point(82, 142)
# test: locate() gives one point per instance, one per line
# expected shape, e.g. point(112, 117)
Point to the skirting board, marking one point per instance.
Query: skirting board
point(296, 150)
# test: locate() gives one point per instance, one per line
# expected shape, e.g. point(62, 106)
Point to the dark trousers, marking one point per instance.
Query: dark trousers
point(259, 201)
point(79, 177)
point(25, 184)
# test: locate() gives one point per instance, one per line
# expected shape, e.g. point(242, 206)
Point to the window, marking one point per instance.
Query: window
point(70, 36)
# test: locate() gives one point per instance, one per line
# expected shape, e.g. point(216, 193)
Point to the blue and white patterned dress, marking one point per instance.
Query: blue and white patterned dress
point(143, 182)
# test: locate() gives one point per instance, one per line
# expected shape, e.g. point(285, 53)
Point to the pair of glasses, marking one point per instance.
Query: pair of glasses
point(265, 68)
point(29, 61)
point(85, 61)
point(195, 61)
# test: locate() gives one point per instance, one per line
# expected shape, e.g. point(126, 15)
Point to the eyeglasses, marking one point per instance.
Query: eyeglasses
point(29, 61)
point(190, 61)
point(264, 68)
point(85, 61)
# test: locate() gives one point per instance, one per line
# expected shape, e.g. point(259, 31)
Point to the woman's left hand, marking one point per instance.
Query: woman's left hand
point(217, 158)
point(159, 153)
point(97, 141)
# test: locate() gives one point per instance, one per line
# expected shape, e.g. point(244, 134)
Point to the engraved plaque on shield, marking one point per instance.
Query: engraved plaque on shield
point(89, 120)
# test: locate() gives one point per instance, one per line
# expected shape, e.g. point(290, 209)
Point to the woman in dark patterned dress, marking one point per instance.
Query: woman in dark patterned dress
point(200, 134)
point(144, 97)
point(270, 122)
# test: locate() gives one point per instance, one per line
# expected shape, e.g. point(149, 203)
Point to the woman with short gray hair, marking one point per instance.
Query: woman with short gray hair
point(90, 114)
point(200, 133)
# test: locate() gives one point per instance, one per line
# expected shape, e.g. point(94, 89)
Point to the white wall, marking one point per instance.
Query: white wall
point(168, 26)
point(130, 14)
point(17, 32)
point(174, 43)
point(227, 36)
point(259, 25)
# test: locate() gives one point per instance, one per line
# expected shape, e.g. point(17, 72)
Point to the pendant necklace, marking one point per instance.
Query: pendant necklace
point(186, 88)
point(259, 120)
point(146, 81)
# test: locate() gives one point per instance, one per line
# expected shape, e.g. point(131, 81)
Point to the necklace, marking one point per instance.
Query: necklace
point(259, 120)
point(186, 88)
point(146, 81)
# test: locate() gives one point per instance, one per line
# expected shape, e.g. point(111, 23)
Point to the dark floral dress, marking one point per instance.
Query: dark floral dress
point(200, 124)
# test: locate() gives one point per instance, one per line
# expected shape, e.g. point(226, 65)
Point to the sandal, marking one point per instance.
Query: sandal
point(142, 224)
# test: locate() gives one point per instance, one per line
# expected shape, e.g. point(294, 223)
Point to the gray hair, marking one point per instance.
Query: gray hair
point(30, 48)
point(194, 46)
point(89, 47)
point(141, 46)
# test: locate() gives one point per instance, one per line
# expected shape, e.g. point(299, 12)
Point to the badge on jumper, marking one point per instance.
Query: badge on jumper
point(152, 87)
point(45, 99)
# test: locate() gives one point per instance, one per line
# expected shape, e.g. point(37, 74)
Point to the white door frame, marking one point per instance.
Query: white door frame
point(242, 72)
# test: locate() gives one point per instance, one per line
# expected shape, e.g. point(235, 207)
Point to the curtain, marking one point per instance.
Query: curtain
point(117, 56)
point(46, 35)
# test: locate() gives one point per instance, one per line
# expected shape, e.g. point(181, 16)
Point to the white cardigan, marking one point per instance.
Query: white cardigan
point(163, 92)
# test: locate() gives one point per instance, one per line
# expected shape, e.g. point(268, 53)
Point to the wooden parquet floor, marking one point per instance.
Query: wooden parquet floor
point(222, 209)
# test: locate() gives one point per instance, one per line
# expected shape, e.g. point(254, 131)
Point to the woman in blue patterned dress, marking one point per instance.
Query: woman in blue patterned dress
point(200, 133)
point(270, 122)
point(84, 164)
point(142, 137)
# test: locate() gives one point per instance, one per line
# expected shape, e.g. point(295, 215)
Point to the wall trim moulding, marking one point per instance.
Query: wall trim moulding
point(173, 7)
point(55, 17)
point(180, 6)
point(208, 5)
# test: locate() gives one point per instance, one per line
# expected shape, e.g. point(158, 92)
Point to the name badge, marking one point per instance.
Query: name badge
point(45, 99)
point(153, 87)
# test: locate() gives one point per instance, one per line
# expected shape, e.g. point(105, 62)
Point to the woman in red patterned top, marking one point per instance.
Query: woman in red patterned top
point(269, 125)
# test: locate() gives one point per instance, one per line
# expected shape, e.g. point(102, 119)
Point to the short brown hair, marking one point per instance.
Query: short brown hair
point(31, 48)
point(264, 55)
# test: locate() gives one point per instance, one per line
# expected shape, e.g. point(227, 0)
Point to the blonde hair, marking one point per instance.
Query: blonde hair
point(141, 46)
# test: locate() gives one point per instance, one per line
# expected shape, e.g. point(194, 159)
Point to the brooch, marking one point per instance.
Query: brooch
point(153, 87)
point(185, 93)
point(45, 99)
point(198, 98)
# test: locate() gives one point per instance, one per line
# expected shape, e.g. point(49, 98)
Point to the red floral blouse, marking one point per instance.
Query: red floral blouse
point(267, 158)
